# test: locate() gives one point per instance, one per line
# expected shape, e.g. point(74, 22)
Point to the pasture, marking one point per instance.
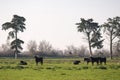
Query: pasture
point(58, 69)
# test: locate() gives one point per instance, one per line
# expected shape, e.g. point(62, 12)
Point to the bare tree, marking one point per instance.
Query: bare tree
point(82, 51)
point(5, 49)
point(32, 46)
point(44, 47)
point(75, 51)
point(72, 50)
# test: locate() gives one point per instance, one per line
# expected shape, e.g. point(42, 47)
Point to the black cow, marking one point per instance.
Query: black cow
point(23, 63)
point(87, 60)
point(95, 59)
point(76, 62)
point(98, 60)
point(103, 59)
point(38, 59)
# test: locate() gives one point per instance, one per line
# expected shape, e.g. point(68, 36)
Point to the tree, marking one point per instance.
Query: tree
point(72, 50)
point(112, 29)
point(45, 47)
point(6, 47)
point(16, 25)
point(32, 46)
point(5, 50)
point(118, 46)
point(82, 51)
point(92, 32)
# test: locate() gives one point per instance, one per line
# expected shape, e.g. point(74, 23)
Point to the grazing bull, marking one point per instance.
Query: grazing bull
point(103, 59)
point(95, 59)
point(98, 60)
point(87, 60)
point(76, 62)
point(23, 63)
point(38, 59)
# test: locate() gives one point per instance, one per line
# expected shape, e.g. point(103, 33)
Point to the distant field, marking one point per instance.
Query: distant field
point(58, 69)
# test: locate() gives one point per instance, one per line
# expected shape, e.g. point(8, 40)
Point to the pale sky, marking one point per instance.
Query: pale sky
point(54, 20)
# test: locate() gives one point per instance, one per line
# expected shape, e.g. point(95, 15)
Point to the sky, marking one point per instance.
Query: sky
point(54, 20)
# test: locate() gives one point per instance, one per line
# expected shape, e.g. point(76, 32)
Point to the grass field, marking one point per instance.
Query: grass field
point(58, 69)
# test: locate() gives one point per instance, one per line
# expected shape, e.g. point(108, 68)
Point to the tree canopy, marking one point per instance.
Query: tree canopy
point(92, 32)
point(112, 29)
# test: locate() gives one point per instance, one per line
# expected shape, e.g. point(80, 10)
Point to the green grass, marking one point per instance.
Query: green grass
point(58, 69)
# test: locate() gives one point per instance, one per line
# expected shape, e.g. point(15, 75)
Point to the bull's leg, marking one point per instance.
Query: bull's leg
point(42, 62)
point(100, 62)
point(97, 62)
point(105, 62)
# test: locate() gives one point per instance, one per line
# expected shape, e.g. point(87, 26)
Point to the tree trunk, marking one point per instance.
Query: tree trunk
point(15, 55)
point(111, 46)
point(89, 42)
point(16, 49)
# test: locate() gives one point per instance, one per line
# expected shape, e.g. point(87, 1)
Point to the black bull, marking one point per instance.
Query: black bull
point(38, 59)
point(98, 60)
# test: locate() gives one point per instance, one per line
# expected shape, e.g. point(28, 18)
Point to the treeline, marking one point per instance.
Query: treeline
point(45, 49)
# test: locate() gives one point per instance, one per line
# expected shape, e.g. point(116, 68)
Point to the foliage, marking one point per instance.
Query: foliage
point(92, 32)
point(112, 29)
point(96, 39)
point(17, 43)
point(17, 25)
